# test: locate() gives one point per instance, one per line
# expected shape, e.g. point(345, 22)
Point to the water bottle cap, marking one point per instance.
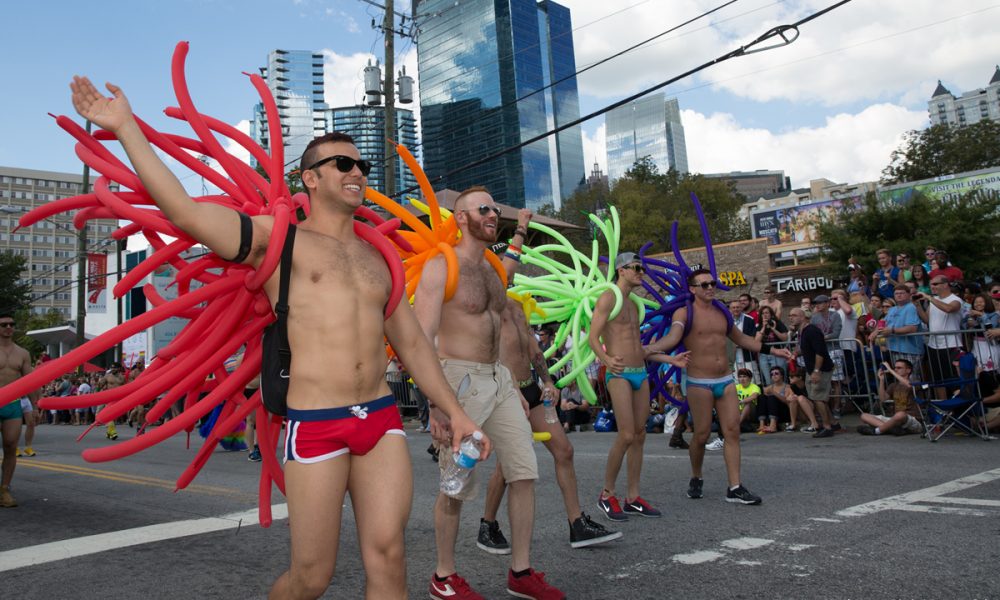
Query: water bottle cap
point(477, 435)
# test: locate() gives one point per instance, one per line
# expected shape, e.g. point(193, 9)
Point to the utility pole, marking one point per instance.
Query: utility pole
point(81, 262)
point(388, 94)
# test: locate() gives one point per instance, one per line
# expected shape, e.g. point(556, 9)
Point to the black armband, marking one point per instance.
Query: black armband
point(246, 239)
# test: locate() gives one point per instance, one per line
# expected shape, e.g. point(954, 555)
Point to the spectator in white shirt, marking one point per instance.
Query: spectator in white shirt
point(944, 314)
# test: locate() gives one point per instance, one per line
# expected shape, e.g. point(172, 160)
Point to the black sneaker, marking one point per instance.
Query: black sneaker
point(255, 455)
point(491, 539)
point(433, 452)
point(865, 429)
point(585, 532)
point(679, 443)
point(836, 427)
point(741, 495)
point(694, 488)
point(823, 433)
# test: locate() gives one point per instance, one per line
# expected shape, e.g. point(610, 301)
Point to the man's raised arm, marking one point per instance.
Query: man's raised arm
point(214, 226)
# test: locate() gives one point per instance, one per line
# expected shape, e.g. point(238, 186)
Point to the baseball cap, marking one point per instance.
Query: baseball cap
point(625, 258)
point(821, 298)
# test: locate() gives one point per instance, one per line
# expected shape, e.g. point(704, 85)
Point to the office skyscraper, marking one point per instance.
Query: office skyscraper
point(650, 126)
point(295, 78)
point(366, 124)
point(478, 60)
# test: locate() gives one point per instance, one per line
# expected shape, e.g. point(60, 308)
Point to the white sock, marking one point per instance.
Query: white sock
point(878, 431)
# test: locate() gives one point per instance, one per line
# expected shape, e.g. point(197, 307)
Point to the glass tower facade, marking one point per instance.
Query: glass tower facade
point(650, 126)
point(478, 59)
point(366, 124)
point(295, 78)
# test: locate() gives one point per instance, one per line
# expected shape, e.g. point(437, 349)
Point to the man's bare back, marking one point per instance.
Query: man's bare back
point(515, 348)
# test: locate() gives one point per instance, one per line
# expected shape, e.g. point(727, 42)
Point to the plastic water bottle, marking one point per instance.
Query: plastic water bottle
point(550, 409)
point(457, 472)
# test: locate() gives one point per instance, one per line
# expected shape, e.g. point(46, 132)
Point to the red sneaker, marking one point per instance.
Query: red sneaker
point(533, 586)
point(452, 588)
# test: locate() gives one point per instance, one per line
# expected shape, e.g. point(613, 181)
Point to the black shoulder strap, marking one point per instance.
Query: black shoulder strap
point(281, 307)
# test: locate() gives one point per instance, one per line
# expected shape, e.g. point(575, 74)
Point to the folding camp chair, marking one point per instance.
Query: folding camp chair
point(963, 411)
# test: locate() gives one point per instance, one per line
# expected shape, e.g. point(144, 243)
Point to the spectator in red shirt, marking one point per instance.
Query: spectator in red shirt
point(945, 268)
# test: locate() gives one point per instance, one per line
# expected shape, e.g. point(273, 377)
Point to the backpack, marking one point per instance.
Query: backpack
point(276, 361)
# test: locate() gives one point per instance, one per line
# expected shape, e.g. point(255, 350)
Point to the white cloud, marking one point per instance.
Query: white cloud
point(848, 148)
point(594, 149)
point(863, 51)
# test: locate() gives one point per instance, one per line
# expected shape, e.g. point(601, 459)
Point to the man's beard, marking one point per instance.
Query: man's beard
point(479, 232)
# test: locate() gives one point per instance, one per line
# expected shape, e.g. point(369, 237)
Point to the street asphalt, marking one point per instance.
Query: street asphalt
point(847, 517)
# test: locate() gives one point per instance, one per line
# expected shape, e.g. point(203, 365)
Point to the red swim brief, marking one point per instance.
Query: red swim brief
point(316, 435)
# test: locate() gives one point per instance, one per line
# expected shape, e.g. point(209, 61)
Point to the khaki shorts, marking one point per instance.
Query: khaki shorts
point(819, 392)
point(487, 394)
point(911, 425)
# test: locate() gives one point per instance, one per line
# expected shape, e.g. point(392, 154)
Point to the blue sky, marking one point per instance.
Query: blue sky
point(833, 104)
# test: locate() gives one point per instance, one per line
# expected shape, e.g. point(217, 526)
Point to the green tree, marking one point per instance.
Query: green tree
point(650, 202)
point(27, 321)
point(292, 179)
point(15, 294)
point(966, 228)
point(944, 149)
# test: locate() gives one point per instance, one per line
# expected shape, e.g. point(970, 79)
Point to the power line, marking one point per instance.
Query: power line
point(787, 33)
point(499, 109)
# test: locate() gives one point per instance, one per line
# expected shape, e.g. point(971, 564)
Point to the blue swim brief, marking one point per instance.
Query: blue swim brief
point(634, 375)
point(716, 385)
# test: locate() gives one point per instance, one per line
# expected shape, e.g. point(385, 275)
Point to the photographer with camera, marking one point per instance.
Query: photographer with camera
point(770, 331)
point(906, 414)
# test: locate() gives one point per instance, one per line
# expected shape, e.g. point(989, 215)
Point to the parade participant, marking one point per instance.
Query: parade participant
point(112, 379)
point(622, 354)
point(710, 381)
point(15, 362)
point(466, 330)
point(519, 352)
point(338, 438)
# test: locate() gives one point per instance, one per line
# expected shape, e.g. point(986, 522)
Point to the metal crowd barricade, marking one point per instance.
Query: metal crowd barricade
point(854, 374)
point(400, 390)
point(946, 376)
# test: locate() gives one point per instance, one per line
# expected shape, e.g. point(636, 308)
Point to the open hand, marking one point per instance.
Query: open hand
point(616, 364)
point(91, 104)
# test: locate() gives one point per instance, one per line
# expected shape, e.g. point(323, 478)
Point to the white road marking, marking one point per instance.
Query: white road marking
point(930, 494)
point(746, 543)
point(800, 547)
point(947, 510)
point(92, 544)
point(966, 501)
point(825, 520)
point(696, 558)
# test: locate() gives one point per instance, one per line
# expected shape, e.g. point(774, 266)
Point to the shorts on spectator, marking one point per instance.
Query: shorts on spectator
point(838, 364)
point(819, 392)
point(911, 425)
point(939, 360)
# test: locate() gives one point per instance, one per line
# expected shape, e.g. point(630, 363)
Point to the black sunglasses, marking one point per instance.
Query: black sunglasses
point(11, 324)
point(777, 373)
point(707, 285)
point(636, 268)
point(485, 209)
point(345, 164)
